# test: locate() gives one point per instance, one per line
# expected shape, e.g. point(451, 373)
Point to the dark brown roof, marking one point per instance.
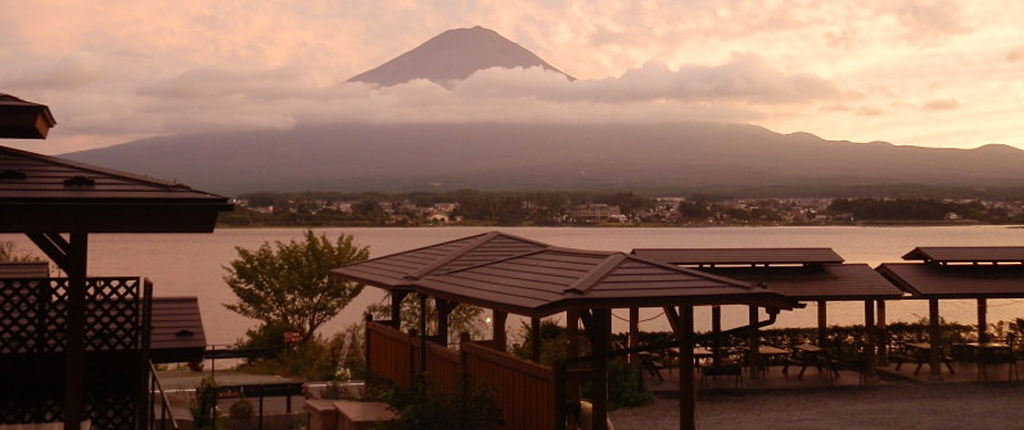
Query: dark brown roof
point(177, 334)
point(552, 280)
point(401, 269)
point(967, 254)
point(956, 281)
point(20, 119)
point(26, 270)
point(749, 256)
point(830, 282)
point(41, 193)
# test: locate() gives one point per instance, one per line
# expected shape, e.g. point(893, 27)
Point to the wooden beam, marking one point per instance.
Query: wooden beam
point(673, 319)
point(55, 247)
point(687, 390)
point(716, 335)
point(423, 334)
point(572, 321)
point(397, 296)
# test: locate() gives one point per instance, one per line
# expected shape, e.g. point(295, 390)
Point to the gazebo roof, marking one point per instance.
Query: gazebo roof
point(956, 281)
point(551, 280)
point(827, 282)
point(967, 254)
point(401, 269)
point(819, 276)
point(40, 193)
point(20, 119)
point(736, 256)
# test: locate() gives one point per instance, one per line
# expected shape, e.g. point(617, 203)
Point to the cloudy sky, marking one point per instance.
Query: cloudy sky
point(939, 73)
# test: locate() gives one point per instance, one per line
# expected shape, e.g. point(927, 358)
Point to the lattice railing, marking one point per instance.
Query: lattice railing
point(33, 326)
point(33, 315)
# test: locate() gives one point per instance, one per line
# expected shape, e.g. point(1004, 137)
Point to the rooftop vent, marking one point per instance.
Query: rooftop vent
point(79, 181)
point(12, 174)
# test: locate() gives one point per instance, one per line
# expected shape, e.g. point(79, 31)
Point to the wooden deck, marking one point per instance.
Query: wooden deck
point(773, 379)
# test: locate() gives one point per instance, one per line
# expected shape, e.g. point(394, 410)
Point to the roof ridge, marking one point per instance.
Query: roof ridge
point(474, 244)
point(583, 285)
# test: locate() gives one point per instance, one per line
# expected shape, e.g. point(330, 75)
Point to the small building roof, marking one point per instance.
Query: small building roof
point(42, 193)
point(401, 269)
point(177, 330)
point(20, 119)
point(956, 281)
point(967, 254)
point(551, 280)
point(736, 256)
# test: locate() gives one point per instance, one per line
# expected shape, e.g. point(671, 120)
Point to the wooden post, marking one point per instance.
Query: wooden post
point(498, 319)
point(535, 340)
point(982, 319)
point(883, 335)
point(870, 359)
point(396, 308)
point(754, 355)
point(687, 390)
point(600, 332)
point(572, 329)
point(634, 333)
point(444, 310)
point(935, 334)
point(716, 335)
point(74, 350)
point(423, 334)
point(822, 322)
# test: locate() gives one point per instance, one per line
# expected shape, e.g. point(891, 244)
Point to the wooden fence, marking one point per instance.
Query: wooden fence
point(523, 391)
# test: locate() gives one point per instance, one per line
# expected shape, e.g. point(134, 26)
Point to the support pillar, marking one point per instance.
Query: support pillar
point(754, 354)
point(687, 390)
point(396, 308)
point(423, 334)
point(822, 322)
point(870, 357)
point(982, 320)
point(634, 333)
point(535, 339)
point(444, 311)
point(935, 335)
point(600, 333)
point(716, 336)
point(498, 338)
point(883, 335)
point(572, 330)
point(74, 352)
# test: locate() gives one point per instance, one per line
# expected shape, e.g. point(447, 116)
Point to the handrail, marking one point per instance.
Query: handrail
point(165, 409)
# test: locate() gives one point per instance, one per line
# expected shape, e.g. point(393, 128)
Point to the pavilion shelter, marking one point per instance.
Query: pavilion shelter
point(804, 274)
point(938, 273)
point(396, 273)
point(80, 345)
point(551, 280)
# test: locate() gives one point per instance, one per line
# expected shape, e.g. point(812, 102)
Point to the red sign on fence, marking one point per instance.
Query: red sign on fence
point(291, 336)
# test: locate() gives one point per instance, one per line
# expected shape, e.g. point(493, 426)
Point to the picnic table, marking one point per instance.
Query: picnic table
point(920, 354)
point(810, 355)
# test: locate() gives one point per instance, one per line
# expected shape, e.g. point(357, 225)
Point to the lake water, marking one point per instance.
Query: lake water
point(192, 264)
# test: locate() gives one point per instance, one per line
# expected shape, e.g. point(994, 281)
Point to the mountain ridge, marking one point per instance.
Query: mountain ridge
point(533, 157)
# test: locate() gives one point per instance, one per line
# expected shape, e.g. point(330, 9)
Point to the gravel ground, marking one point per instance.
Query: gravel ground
point(896, 405)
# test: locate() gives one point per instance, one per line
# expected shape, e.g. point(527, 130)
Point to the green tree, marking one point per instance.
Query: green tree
point(288, 285)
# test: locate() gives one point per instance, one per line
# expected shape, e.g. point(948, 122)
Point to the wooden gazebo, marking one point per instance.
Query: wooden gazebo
point(548, 280)
point(804, 274)
point(942, 273)
point(85, 332)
